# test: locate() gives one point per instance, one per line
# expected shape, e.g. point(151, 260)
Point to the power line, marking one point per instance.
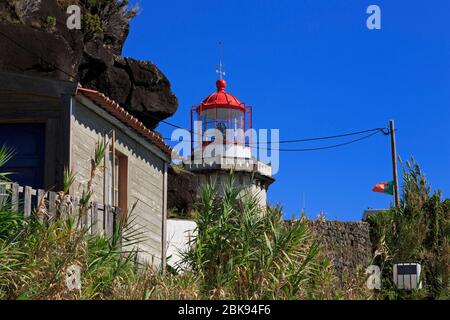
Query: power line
point(326, 147)
point(373, 132)
point(334, 136)
point(382, 130)
point(302, 140)
point(323, 148)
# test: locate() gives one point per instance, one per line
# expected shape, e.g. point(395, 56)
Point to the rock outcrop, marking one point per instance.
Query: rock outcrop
point(34, 39)
point(182, 191)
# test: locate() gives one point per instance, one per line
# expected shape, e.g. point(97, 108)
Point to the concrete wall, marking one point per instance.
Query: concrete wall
point(179, 233)
point(145, 172)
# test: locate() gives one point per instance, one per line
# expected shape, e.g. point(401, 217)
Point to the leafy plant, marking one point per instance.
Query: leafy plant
point(96, 168)
point(34, 253)
point(418, 230)
point(6, 154)
point(242, 251)
point(110, 19)
point(11, 221)
point(245, 251)
point(92, 25)
point(51, 23)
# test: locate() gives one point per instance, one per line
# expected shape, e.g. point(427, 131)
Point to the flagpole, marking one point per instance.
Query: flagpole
point(394, 163)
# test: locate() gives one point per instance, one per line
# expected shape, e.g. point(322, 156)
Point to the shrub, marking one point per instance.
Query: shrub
point(245, 251)
point(92, 25)
point(109, 18)
point(242, 251)
point(418, 230)
point(51, 23)
point(34, 255)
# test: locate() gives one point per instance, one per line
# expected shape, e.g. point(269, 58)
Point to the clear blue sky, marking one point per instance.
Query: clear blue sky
point(312, 68)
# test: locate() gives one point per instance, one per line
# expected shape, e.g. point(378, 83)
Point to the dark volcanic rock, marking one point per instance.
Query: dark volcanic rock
point(115, 82)
point(29, 44)
point(138, 85)
point(27, 50)
point(182, 190)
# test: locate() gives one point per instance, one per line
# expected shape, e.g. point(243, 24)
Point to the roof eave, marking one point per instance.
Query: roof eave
point(121, 114)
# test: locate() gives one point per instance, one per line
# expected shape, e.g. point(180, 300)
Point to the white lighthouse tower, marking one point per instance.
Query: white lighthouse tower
point(221, 141)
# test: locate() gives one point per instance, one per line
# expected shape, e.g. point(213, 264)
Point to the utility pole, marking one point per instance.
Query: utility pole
point(394, 163)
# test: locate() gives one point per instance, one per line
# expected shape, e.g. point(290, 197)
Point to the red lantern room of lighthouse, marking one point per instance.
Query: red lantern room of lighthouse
point(220, 126)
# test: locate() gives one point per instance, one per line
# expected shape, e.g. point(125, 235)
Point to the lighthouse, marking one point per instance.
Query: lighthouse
point(222, 141)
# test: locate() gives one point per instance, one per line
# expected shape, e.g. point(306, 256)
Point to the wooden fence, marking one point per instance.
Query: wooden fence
point(103, 219)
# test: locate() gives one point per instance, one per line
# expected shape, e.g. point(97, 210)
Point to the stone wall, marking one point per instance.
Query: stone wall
point(346, 243)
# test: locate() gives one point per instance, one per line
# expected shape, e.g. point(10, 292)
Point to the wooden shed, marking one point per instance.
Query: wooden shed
point(53, 125)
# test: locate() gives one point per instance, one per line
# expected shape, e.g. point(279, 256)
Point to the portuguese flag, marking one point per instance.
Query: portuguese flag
point(385, 187)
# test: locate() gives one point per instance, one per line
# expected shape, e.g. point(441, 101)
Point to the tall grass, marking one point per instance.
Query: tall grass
point(242, 251)
point(245, 251)
point(35, 253)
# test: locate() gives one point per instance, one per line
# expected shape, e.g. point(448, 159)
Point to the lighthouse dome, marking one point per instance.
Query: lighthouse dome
point(221, 98)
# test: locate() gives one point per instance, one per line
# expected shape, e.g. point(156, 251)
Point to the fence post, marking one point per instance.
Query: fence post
point(41, 204)
point(118, 225)
point(108, 223)
point(15, 197)
point(52, 205)
point(94, 217)
point(3, 195)
point(85, 217)
point(63, 212)
point(74, 211)
point(27, 201)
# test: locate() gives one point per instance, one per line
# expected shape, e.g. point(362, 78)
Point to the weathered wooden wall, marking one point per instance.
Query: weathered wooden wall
point(145, 171)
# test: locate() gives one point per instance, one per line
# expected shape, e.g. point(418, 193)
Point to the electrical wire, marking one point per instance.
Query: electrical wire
point(333, 137)
point(373, 131)
point(326, 147)
point(382, 130)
